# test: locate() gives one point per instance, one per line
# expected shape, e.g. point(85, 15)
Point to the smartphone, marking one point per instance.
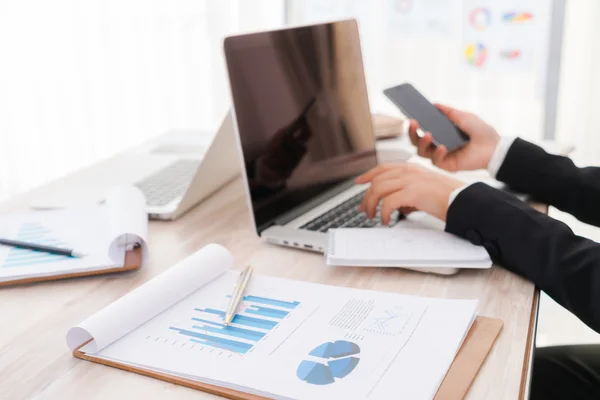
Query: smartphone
point(415, 106)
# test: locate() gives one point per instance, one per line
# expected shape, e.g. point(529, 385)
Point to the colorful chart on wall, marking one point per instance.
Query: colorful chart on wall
point(503, 36)
point(500, 47)
point(480, 18)
point(475, 54)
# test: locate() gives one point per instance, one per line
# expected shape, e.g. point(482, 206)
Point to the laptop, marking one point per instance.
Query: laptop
point(174, 171)
point(304, 130)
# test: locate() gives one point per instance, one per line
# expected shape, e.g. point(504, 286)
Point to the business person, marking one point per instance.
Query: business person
point(544, 250)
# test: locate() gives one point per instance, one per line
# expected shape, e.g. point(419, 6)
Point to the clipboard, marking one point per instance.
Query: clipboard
point(455, 386)
point(133, 261)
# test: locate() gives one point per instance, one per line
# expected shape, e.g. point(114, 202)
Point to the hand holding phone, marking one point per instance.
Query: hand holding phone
point(414, 105)
point(473, 155)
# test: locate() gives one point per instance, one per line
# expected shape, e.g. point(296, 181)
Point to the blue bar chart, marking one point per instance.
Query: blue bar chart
point(258, 316)
point(266, 312)
point(272, 302)
point(33, 233)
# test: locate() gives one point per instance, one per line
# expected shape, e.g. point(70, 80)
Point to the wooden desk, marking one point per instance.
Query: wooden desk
point(35, 361)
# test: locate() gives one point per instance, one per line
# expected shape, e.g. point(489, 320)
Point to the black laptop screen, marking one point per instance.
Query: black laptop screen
point(302, 112)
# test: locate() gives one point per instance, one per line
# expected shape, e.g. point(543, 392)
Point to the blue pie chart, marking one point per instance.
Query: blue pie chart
point(337, 360)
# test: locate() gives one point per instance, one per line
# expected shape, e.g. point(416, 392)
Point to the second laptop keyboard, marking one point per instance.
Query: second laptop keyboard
point(169, 183)
point(346, 215)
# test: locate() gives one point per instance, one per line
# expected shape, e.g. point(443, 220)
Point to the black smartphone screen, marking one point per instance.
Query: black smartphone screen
point(414, 105)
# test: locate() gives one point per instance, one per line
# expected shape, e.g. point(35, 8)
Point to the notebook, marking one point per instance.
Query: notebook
point(289, 339)
point(402, 247)
point(105, 234)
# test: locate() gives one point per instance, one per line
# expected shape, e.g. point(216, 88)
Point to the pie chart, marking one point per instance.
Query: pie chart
point(476, 54)
point(330, 360)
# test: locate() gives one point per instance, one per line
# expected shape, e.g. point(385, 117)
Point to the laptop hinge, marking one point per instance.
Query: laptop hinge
point(264, 227)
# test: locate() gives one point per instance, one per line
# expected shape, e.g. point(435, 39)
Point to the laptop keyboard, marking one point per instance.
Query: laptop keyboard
point(169, 183)
point(346, 215)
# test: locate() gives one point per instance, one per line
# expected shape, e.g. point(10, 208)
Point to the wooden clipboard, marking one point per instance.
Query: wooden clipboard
point(471, 356)
point(133, 260)
point(456, 384)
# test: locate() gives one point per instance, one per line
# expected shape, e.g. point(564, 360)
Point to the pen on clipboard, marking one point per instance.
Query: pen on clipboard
point(238, 293)
point(41, 248)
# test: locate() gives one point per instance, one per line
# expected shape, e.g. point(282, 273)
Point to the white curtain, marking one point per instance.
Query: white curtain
point(82, 80)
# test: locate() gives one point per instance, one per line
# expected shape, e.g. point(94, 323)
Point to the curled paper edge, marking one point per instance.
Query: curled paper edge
point(128, 221)
point(150, 299)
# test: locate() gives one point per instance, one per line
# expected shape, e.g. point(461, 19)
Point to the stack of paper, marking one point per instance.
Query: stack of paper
point(403, 247)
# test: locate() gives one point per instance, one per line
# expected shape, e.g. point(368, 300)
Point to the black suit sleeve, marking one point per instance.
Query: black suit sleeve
point(553, 180)
point(530, 243)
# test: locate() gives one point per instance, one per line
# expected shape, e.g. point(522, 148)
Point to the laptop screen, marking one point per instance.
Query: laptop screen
point(302, 112)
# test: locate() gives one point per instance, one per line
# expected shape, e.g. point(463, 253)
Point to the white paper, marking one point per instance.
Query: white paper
point(385, 334)
point(403, 247)
point(126, 207)
point(150, 299)
point(431, 351)
point(84, 230)
point(101, 233)
point(504, 36)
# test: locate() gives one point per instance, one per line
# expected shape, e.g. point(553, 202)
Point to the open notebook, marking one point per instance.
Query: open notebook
point(403, 247)
point(105, 234)
point(289, 339)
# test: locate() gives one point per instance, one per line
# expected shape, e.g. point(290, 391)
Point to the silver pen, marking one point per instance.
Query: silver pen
point(238, 293)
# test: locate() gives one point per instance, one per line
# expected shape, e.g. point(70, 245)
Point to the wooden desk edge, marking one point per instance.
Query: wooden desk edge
point(530, 348)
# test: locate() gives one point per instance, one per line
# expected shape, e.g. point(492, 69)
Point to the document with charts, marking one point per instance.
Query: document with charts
point(289, 339)
point(102, 233)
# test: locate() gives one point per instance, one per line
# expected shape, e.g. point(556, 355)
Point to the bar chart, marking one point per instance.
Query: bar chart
point(38, 234)
point(256, 317)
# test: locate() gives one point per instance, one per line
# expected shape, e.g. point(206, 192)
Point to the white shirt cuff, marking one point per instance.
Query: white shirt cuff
point(495, 163)
point(455, 193)
point(500, 154)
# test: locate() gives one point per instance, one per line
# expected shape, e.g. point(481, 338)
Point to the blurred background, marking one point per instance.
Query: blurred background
point(83, 80)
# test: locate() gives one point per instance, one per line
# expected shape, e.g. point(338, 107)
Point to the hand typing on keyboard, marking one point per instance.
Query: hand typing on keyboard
point(346, 215)
point(406, 186)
